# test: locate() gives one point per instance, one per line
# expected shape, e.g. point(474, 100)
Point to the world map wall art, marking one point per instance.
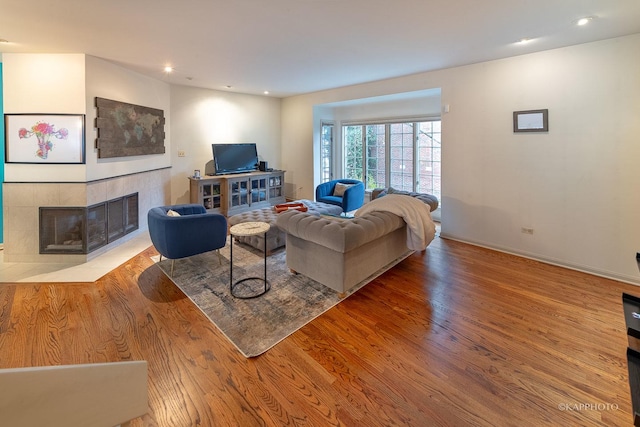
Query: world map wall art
point(44, 138)
point(128, 130)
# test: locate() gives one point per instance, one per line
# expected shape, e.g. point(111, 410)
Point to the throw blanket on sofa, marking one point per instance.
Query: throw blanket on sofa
point(420, 227)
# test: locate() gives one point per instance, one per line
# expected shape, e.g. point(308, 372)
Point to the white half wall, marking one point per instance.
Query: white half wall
point(575, 186)
point(202, 117)
point(91, 395)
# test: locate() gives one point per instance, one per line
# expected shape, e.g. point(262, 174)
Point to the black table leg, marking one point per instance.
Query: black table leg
point(267, 285)
point(231, 265)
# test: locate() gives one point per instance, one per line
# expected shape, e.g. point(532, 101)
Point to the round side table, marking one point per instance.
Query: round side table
point(248, 229)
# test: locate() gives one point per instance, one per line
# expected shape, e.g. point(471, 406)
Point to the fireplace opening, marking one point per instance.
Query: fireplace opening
point(115, 224)
point(81, 230)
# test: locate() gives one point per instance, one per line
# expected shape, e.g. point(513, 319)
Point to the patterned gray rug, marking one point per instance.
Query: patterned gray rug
point(254, 325)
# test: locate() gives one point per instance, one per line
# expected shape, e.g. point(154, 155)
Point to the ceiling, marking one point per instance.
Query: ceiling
point(289, 47)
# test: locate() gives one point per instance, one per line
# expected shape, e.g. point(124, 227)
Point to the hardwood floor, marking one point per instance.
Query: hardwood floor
point(457, 335)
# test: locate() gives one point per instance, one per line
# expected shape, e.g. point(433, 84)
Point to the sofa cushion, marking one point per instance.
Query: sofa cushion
point(340, 188)
point(428, 199)
point(333, 200)
point(338, 235)
point(186, 209)
point(171, 212)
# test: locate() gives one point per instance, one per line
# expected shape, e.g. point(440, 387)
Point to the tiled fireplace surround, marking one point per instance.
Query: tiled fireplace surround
point(21, 203)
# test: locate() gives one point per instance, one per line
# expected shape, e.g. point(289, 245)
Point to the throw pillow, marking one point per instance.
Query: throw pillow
point(340, 188)
point(283, 207)
point(392, 190)
point(171, 212)
point(378, 192)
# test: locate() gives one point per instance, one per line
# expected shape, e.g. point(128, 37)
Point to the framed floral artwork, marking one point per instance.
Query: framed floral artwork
point(44, 138)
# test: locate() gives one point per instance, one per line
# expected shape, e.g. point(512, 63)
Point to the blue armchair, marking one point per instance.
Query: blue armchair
point(193, 232)
point(351, 199)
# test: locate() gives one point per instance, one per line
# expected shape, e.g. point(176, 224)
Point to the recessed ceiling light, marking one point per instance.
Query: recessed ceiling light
point(584, 21)
point(524, 40)
point(229, 86)
point(266, 92)
point(168, 69)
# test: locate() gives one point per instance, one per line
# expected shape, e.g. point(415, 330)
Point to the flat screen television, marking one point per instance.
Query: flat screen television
point(234, 158)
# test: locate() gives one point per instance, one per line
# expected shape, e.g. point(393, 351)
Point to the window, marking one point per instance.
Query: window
point(401, 138)
point(402, 155)
point(376, 156)
point(326, 151)
point(429, 158)
point(352, 137)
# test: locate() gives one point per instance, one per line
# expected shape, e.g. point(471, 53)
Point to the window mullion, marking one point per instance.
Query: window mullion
point(416, 160)
point(387, 155)
point(365, 160)
point(364, 154)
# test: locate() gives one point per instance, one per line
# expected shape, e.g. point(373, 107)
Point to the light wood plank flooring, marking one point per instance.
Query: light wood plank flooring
point(455, 336)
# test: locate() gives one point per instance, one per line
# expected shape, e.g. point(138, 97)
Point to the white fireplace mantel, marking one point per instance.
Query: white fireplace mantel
point(22, 200)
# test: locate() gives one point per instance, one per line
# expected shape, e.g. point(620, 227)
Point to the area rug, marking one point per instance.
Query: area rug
point(254, 325)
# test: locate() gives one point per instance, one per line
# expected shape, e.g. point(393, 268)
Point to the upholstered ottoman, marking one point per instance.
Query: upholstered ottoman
point(275, 237)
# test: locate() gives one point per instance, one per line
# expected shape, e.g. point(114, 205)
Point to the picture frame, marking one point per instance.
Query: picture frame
point(45, 138)
point(128, 130)
point(531, 121)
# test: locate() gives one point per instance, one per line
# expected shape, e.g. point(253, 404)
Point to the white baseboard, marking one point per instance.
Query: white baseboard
point(559, 263)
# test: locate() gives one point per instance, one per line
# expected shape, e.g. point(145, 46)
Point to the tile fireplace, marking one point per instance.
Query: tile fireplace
point(81, 230)
point(75, 222)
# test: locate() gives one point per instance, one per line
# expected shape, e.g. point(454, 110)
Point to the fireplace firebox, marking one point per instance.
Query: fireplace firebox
point(81, 230)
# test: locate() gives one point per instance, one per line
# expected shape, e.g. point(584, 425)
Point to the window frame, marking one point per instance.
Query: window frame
point(327, 168)
point(415, 120)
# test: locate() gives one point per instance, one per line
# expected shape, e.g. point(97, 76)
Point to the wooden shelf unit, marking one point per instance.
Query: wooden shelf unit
point(237, 193)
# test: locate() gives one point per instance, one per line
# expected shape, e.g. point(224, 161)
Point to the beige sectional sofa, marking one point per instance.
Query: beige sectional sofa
point(339, 252)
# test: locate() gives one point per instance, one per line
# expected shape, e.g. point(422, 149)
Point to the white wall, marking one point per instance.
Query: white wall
point(576, 185)
point(107, 80)
point(68, 84)
point(414, 105)
point(301, 116)
point(424, 103)
point(202, 117)
point(44, 84)
point(406, 105)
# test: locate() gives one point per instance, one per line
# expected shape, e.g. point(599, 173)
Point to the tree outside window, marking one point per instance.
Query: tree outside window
point(404, 155)
point(326, 151)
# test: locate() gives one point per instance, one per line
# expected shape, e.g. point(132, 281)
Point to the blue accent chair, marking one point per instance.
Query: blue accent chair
point(193, 232)
point(352, 199)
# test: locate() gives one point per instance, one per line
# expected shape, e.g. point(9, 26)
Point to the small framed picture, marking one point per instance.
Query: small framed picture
point(531, 121)
point(44, 138)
